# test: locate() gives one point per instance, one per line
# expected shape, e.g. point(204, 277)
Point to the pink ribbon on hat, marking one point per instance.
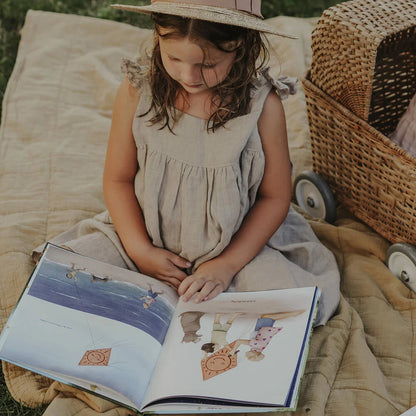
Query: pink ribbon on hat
point(249, 6)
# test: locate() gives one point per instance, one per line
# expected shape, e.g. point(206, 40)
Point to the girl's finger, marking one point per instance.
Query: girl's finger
point(180, 262)
point(170, 280)
point(215, 292)
point(176, 273)
point(185, 285)
point(205, 291)
point(192, 289)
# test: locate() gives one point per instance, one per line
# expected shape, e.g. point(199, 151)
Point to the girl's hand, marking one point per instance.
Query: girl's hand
point(162, 265)
point(209, 280)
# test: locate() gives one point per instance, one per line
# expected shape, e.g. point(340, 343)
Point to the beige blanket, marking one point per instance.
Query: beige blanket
point(54, 128)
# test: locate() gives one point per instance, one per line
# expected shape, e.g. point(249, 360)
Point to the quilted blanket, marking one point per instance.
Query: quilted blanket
point(54, 128)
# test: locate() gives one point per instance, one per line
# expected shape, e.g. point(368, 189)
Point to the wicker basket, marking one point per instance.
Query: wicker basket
point(353, 103)
point(364, 58)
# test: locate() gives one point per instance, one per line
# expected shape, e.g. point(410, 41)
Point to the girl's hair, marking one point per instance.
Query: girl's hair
point(232, 96)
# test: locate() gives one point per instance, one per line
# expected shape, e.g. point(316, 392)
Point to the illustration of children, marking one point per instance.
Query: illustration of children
point(150, 297)
point(219, 333)
point(263, 333)
point(96, 278)
point(72, 272)
point(190, 322)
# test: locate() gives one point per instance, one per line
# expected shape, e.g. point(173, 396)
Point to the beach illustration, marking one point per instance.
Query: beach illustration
point(89, 327)
point(116, 300)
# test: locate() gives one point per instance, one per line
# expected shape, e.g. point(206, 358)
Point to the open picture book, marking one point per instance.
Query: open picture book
point(130, 338)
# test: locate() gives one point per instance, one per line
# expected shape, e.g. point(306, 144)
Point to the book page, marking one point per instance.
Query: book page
point(90, 321)
point(243, 347)
point(410, 412)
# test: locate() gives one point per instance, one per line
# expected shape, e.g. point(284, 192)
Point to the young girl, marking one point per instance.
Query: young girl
point(197, 178)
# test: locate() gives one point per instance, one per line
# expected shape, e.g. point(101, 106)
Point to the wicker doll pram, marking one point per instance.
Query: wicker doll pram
point(362, 78)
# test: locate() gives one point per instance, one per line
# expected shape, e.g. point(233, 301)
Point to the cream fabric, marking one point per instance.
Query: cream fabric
point(56, 115)
point(405, 133)
point(195, 177)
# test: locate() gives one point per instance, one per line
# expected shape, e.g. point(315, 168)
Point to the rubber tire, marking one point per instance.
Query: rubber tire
point(408, 252)
point(328, 200)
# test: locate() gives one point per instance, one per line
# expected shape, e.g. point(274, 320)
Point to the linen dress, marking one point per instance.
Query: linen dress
point(195, 187)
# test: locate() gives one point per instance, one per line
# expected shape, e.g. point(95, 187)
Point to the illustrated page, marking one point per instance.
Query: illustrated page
point(90, 321)
point(238, 346)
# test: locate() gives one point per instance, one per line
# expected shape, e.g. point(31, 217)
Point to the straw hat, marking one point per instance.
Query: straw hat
point(244, 13)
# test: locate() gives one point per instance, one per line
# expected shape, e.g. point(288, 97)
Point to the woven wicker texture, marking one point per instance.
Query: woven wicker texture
point(369, 174)
point(364, 57)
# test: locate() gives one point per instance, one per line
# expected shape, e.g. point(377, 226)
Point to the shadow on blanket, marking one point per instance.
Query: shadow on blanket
point(56, 118)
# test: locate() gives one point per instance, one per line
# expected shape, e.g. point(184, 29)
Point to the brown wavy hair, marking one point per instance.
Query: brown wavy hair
point(233, 95)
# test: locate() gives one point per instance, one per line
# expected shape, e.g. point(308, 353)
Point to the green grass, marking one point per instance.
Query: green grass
point(12, 16)
point(9, 407)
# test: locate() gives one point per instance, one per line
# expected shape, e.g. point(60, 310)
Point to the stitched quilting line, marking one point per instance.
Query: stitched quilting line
point(52, 131)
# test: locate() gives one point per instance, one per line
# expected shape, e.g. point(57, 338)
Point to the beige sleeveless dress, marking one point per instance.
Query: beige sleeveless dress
point(195, 187)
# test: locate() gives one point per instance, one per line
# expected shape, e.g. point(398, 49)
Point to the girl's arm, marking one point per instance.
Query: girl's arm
point(263, 219)
point(118, 184)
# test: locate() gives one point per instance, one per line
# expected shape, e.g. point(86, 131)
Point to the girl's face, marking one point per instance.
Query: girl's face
point(195, 69)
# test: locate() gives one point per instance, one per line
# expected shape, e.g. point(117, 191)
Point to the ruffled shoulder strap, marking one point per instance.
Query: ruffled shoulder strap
point(137, 71)
point(283, 84)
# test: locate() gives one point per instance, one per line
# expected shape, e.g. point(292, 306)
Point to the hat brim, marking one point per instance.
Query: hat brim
point(209, 13)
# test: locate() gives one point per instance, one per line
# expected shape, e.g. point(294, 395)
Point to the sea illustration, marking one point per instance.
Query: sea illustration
point(121, 301)
point(100, 333)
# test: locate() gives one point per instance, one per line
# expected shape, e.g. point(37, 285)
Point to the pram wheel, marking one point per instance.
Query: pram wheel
point(401, 260)
point(314, 196)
